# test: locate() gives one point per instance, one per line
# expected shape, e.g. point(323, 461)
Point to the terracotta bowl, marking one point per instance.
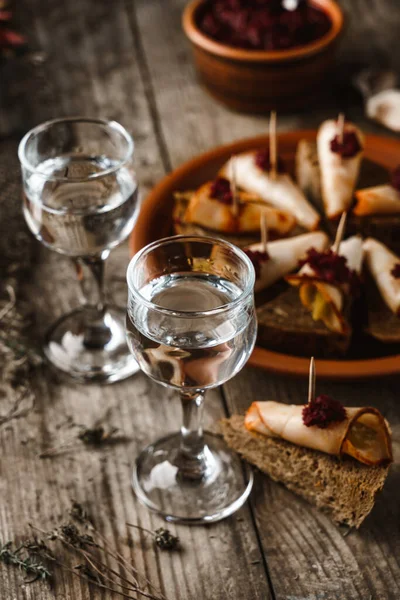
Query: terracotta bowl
point(254, 81)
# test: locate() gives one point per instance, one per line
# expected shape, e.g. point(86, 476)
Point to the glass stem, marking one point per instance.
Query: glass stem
point(97, 332)
point(95, 265)
point(194, 455)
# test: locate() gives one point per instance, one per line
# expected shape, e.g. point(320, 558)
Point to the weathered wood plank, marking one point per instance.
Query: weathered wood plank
point(93, 63)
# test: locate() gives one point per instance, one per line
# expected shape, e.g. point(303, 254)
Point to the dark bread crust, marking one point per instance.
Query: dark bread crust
point(284, 325)
point(345, 488)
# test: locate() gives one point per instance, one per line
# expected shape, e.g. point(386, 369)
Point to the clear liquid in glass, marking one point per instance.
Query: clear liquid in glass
point(195, 352)
point(80, 218)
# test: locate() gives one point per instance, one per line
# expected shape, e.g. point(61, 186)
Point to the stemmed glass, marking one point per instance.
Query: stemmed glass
point(191, 326)
point(81, 200)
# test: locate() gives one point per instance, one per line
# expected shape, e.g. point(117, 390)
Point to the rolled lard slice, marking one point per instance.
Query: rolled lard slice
point(363, 434)
point(284, 256)
point(325, 301)
point(381, 261)
point(379, 200)
point(213, 214)
point(281, 191)
point(338, 175)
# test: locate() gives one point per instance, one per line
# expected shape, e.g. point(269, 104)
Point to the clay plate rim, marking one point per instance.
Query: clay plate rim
point(154, 222)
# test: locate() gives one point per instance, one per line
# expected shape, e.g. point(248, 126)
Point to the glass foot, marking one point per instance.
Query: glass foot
point(91, 347)
point(160, 483)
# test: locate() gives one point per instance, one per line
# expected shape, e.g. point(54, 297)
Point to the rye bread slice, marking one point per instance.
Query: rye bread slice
point(384, 228)
point(284, 325)
point(345, 489)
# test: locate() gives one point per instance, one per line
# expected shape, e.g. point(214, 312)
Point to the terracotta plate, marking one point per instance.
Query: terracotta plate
point(154, 222)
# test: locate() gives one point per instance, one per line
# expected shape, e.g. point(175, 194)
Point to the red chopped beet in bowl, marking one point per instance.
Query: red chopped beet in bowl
point(263, 24)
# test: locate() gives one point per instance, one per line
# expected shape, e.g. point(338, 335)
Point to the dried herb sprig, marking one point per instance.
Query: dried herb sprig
point(24, 557)
point(78, 513)
point(125, 581)
point(162, 537)
point(96, 436)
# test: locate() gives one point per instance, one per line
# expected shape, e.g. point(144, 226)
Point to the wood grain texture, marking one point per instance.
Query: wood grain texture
point(128, 60)
point(93, 63)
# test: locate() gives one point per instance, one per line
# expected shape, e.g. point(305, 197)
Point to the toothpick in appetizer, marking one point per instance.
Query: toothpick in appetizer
point(328, 281)
point(340, 146)
point(219, 206)
point(334, 456)
point(273, 260)
point(324, 424)
point(262, 173)
point(273, 146)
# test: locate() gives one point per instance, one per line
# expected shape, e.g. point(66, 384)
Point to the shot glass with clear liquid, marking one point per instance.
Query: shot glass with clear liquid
point(81, 200)
point(191, 325)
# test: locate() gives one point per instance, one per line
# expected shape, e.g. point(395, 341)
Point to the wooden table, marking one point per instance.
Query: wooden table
point(128, 60)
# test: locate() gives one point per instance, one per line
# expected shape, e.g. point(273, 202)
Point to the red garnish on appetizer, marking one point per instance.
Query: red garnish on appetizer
point(323, 411)
point(349, 147)
point(395, 272)
point(221, 190)
point(263, 162)
point(263, 24)
point(257, 257)
point(332, 268)
point(395, 178)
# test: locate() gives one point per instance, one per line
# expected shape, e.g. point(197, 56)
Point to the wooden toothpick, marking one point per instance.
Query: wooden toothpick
point(311, 381)
point(264, 232)
point(273, 145)
point(235, 199)
point(340, 233)
point(341, 121)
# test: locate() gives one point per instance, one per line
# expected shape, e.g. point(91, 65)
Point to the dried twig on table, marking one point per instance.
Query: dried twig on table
point(163, 538)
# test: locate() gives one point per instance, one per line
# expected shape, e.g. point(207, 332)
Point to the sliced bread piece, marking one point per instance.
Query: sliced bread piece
point(285, 325)
point(345, 489)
